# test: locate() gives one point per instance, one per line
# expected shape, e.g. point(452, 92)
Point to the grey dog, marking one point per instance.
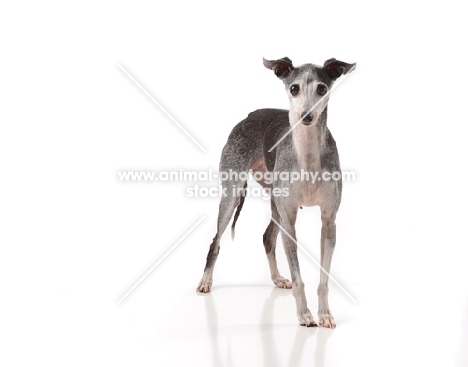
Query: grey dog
point(308, 147)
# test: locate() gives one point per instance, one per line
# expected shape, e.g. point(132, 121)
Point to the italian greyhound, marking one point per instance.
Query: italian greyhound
point(309, 147)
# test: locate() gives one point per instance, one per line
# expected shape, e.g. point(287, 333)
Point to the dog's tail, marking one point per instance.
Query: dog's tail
point(239, 208)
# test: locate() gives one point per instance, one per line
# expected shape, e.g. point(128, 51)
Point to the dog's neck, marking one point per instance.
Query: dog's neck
point(309, 143)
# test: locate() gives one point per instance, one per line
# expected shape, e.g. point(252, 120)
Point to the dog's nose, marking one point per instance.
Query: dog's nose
point(307, 118)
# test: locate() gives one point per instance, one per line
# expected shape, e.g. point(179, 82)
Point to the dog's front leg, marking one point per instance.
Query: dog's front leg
point(327, 245)
point(288, 219)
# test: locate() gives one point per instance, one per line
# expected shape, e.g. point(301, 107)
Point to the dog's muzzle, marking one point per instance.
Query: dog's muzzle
point(307, 118)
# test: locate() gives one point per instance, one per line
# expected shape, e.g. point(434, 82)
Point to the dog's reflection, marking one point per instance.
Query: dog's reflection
point(212, 321)
point(302, 337)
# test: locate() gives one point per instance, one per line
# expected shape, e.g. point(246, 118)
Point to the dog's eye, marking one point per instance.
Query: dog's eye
point(322, 89)
point(294, 89)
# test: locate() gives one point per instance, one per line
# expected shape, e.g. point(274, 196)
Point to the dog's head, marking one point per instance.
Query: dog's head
point(308, 86)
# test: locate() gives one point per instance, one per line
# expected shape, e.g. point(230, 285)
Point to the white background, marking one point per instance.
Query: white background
point(74, 239)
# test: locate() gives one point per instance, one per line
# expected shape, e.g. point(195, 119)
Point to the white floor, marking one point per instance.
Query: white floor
point(411, 300)
point(255, 324)
point(398, 320)
point(236, 325)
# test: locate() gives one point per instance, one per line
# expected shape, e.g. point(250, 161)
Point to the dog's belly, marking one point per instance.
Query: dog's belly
point(259, 166)
point(310, 195)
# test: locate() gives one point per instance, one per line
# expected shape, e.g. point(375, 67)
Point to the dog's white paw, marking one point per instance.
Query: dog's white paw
point(327, 321)
point(282, 282)
point(204, 286)
point(306, 319)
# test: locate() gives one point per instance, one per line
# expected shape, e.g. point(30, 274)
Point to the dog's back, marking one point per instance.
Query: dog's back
point(251, 138)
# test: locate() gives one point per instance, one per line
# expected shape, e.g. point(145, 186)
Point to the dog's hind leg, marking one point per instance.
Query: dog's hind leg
point(269, 241)
point(226, 209)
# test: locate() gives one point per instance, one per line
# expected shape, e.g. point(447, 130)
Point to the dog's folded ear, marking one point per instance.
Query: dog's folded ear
point(281, 67)
point(335, 68)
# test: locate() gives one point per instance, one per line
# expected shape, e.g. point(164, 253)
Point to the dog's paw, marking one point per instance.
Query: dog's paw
point(306, 319)
point(282, 282)
point(327, 321)
point(204, 286)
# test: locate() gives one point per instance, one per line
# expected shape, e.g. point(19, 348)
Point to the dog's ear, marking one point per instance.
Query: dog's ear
point(335, 68)
point(281, 67)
